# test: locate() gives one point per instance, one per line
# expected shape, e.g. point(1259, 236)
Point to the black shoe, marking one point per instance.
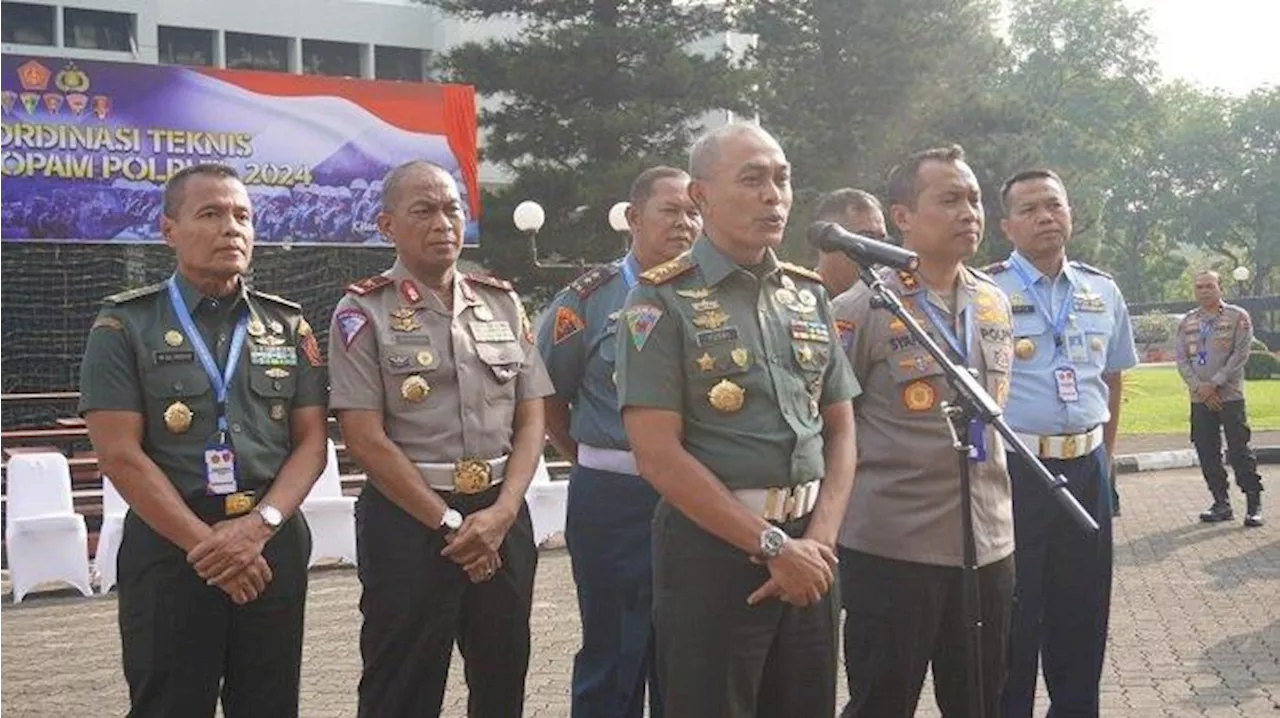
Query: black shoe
point(1253, 514)
point(1220, 511)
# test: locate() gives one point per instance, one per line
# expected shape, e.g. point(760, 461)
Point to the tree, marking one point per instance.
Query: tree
point(851, 86)
point(587, 95)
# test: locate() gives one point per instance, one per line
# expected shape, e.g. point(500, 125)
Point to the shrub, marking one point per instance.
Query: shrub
point(1261, 365)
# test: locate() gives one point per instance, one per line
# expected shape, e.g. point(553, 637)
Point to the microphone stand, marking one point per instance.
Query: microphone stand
point(972, 402)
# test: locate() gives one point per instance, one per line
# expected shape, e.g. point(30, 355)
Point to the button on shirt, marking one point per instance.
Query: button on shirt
point(477, 361)
point(578, 342)
point(1098, 312)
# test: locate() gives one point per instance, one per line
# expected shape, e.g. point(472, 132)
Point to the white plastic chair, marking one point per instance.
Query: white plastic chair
point(47, 540)
point(331, 516)
point(104, 559)
point(548, 501)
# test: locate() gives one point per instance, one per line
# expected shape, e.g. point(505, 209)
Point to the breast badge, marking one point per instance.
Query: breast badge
point(919, 396)
point(1024, 348)
point(726, 397)
point(414, 389)
point(177, 418)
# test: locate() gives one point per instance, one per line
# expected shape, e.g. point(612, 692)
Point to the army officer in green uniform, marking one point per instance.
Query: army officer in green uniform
point(206, 403)
point(736, 402)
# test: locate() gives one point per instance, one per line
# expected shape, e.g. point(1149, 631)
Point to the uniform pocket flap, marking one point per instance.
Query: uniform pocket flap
point(503, 354)
point(276, 382)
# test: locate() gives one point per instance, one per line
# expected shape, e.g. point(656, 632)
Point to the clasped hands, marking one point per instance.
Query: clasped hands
point(230, 557)
point(474, 546)
point(800, 575)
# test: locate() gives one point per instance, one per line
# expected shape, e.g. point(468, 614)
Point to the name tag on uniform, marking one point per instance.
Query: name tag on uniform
point(220, 469)
point(273, 356)
point(492, 332)
point(717, 336)
point(174, 356)
point(1065, 378)
point(1077, 350)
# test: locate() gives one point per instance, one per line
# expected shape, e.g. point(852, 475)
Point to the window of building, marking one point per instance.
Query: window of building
point(97, 30)
point(337, 59)
point(398, 63)
point(257, 52)
point(186, 46)
point(26, 24)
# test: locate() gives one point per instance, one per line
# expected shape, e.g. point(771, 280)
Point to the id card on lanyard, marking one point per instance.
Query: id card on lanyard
point(977, 434)
point(219, 455)
point(1206, 328)
point(1069, 345)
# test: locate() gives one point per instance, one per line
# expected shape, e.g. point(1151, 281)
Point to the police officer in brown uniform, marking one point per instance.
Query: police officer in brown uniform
point(735, 399)
point(438, 389)
point(205, 401)
point(1212, 348)
point(901, 549)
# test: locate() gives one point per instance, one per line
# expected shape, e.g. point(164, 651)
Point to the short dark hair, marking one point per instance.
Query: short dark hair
point(175, 188)
point(392, 180)
point(1023, 176)
point(642, 187)
point(834, 204)
point(903, 187)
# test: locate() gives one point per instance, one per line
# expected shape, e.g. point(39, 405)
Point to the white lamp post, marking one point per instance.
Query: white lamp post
point(529, 217)
point(1241, 275)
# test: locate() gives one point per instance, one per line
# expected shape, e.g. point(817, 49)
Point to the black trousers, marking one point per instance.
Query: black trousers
point(719, 657)
point(417, 603)
point(902, 616)
point(184, 642)
point(1207, 428)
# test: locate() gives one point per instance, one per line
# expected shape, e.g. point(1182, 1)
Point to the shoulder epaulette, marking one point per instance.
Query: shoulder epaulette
point(502, 284)
point(369, 284)
point(669, 270)
point(983, 275)
point(277, 299)
point(1090, 269)
point(593, 280)
point(800, 271)
point(131, 294)
point(996, 267)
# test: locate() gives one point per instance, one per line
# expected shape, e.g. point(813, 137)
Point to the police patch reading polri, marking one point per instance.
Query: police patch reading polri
point(640, 322)
point(350, 322)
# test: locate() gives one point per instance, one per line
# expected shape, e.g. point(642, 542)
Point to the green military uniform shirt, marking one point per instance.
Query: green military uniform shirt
point(138, 359)
point(747, 356)
point(1213, 347)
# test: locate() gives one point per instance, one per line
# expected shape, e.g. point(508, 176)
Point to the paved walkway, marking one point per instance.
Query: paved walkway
point(1196, 626)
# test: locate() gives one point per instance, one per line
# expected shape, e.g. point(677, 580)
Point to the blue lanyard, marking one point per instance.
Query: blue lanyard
point(1206, 328)
point(948, 333)
point(220, 382)
point(1044, 305)
point(629, 266)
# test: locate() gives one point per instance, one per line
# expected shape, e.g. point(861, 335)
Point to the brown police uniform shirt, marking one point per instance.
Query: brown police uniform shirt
point(447, 382)
point(1213, 347)
point(906, 501)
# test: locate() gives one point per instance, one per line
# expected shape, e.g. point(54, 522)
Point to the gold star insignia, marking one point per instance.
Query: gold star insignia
point(706, 362)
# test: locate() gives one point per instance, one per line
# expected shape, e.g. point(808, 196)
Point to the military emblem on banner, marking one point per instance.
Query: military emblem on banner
point(8, 99)
point(52, 102)
point(30, 100)
point(34, 76)
point(101, 106)
point(77, 102)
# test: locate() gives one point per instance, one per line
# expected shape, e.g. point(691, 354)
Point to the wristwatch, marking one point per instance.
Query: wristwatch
point(451, 521)
point(270, 516)
point(772, 540)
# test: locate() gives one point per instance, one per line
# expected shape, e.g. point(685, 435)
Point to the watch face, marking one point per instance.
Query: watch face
point(271, 515)
point(452, 520)
point(771, 541)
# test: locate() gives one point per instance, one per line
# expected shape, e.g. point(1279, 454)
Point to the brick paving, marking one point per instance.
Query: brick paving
point(1195, 626)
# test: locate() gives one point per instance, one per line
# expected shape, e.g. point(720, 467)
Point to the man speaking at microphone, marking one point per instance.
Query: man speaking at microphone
point(901, 550)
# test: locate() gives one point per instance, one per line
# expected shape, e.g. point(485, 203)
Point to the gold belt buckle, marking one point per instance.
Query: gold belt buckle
point(471, 476)
point(238, 503)
point(1069, 447)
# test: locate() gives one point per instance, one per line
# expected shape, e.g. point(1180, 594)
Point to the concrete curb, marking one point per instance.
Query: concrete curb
point(1180, 459)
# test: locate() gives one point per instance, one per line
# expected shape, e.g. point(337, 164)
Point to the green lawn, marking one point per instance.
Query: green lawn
point(1156, 402)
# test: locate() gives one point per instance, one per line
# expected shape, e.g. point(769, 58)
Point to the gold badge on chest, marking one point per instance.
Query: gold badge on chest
point(919, 396)
point(173, 338)
point(726, 397)
point(425, 358)
point(414, 389)
point(713, 319)
point(740, 357)
point(403, 320)
point(1024, 348)
point(177, 417)
point(706, 362)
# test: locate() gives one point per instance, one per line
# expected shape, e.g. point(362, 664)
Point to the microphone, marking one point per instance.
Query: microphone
point(831, 237)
